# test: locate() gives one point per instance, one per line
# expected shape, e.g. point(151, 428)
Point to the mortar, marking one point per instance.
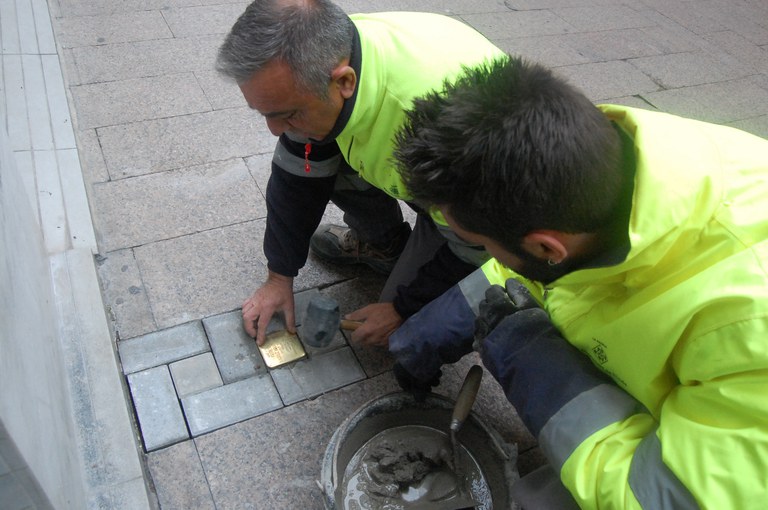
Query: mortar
point(495, 459)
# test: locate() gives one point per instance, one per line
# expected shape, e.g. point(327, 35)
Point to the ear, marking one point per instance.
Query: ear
point(345, 79)
point(548, 245)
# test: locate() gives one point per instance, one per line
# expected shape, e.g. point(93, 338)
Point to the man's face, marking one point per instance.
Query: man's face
point(286, 108)
point(520, 261)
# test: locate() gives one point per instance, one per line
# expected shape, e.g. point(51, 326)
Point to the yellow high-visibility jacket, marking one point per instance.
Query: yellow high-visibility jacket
point(680, 326)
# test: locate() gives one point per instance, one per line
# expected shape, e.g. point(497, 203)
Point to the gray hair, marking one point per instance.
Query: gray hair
point(310, 36)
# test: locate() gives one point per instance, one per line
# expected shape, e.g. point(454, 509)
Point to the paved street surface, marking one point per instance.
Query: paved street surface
point(175, 167)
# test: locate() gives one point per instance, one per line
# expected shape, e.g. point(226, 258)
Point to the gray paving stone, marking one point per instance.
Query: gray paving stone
point(667, 35)
point(237, 355)
point(103, 7)
point(696, 20)
point(742, 49)
point(686, 69)
point(123, 61)
point(125, 294)
point(317, 375)
point(605, 80)
point(124, 101)
point(550, 50)
point(504, 25)
point(195, 375)
point(157, 407)
point(220, 91)
point(716, 102)
point(111, 28)
point(178, 478)
point(612, 44)
point(91, 159)
point(602, 17)
point(260, 167)
point(525, 5)
point(203, 19)
point(154, 207)
point(228, 264)
point(162, 347)
point(167, 144)
point(231, 403)
point(446, 7)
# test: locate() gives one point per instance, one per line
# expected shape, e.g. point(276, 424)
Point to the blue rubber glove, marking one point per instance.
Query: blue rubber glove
point(536, 367)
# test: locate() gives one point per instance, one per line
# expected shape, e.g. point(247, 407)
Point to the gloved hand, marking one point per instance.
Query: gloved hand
point(419, 389)
point(499, 303)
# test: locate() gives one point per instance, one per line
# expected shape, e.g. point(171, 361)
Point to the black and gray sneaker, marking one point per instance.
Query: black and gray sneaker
point(341, 245)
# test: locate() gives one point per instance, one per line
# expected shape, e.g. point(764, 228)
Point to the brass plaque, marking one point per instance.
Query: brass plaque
point(281, 347)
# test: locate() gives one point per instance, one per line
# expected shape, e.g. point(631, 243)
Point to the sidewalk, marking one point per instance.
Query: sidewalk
point(175, 168)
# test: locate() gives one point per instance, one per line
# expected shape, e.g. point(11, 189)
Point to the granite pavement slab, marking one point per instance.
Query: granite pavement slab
point(111, 28)
point(506, 24)
point(604, 80)
point(274, 461)
point(167, 144)
point(179, 479)
point(141, 59)
point(203, 19)
point(138, 99)
point(171, 204)
point(124, 293)
point(722, 102)
point(203, 274)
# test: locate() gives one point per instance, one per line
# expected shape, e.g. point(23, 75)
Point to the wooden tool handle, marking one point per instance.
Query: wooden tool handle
point(466, 397)
point(349, 325)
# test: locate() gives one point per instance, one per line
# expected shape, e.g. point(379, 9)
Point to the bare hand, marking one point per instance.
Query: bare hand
point(275, 295)
point(379, 321)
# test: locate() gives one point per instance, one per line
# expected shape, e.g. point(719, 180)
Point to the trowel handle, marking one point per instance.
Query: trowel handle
point(349, 325)
point(466, 397)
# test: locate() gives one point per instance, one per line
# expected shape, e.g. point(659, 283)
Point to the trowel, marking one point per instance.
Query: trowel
point(464, 402)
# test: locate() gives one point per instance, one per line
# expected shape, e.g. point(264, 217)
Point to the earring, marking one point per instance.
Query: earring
point(552, 262)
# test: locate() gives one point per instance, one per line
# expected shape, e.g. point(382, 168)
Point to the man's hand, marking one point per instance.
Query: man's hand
point(275, 295)
point(500, 302)
point(379, 321)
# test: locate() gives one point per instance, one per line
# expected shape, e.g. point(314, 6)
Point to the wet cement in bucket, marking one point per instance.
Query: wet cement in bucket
point(406, 467)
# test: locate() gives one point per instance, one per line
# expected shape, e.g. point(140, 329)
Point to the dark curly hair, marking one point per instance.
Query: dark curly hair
point(510, 148)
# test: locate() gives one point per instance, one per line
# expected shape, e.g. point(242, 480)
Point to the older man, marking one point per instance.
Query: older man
point(334, 89)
